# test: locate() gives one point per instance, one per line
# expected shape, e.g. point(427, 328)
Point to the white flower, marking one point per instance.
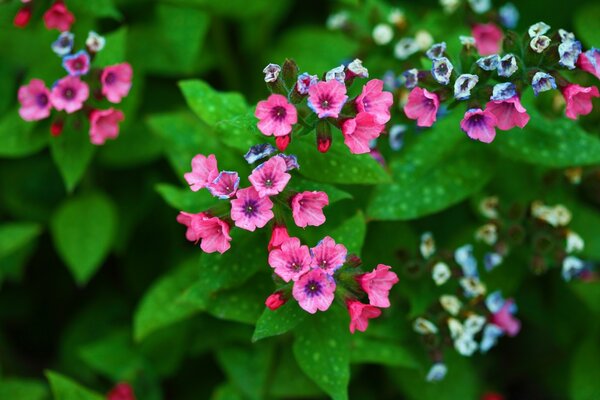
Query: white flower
point(271, 72)
point(463, 86)
point(556, 216)
point(427, 246)
point(465, 345)
point(437, 372)
point(566, 36)
point(440, 273)
point(468, 41)
point(571, 267)
point(456, 328)
point(539, 43)
point(337, 20)
point(473, 324)
point(574, 242)
point(472, 286)
point(405, 48)
point(488, 234)
point(465, 258)
point(538, 29)
point(449, 5)
point(396, 17)
point(95, 42)
point(480, 6)
point(424, 327)
point(382, 34)
point(424, 39)
point(488, 207)
point(450, 303)
point(357, 68)
point(336, 73)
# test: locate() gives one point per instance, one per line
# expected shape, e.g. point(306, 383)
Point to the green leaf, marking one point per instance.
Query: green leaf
point(555, 143)
point(322, 349)
point(208, 104)
point(14, 236)
point(351, 233)
point(368, 350)
point(96, 8)
point(115, 50)
point(242, 304)
point(278, 322)
point(587, 24)
point(26, 389)
point(72, 152)
point(230, 8)
point(441, 169)
point(83, 229)
point(584, 384)
point(288, 379)
point(186, 199)
point(300, 184)
point(64, 388)
point(240, 131)
point(18, 137)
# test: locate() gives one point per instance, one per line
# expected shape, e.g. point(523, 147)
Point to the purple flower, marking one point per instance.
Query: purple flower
point(314, 291)
point(479, 125)
point(258, 152)
point(77, 64)
point(569, 52)
point(225, 185)
point(326, 99)
point(249, 210)
point(463, 86)
point(396, 134)
point(305, 81)
point(542, 82)
point(507, 65)
point(436, 51)
point(503, 91)
point(271, 72)
point(410, 78)
point(442, 70)
point(489, 63)
point(64, 44)
point(291, 161)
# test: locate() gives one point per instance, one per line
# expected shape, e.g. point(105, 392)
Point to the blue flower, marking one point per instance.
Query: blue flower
point(396, 139)
point(503, 91)
point(491, 333)
point(64, 44)
point(480, 6)
point(507, 65)
point(494, 301)
point(465, 258)
point(572, 267)
point(291, 161)
point(77, 64)
point(258, 152)
point(569, 52)
point(437, 372)
point(489, 63)
point(390, 81)
point(436, 51)
point(542, 82)
point(410, 78)
point(509, 15)
point(442, 70)
point(463, 86)
point(491, 260)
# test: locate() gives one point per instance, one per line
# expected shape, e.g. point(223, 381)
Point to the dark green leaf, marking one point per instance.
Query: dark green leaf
point(247, 367)
point(587, 25)
point(26, 389)
point(72, 152)
point(585, 364)
point(19, 138)
point(370, 350)
point(64, 388)
point(278, 322)
point(351, 233)
point(14, 236)
point(208, 104)
point(186, 199)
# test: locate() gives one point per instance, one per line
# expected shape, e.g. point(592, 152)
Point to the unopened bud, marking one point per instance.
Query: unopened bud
point(283, 142)
point(323, 136)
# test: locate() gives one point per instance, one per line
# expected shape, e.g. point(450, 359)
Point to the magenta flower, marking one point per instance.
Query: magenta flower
point(58, 17)
point(225, 185)
point(307, 208)
point(35, 101)
point(488, 38)
point(275, 301)
point(326, 99)
point(204, 172)
point(590, 62)
point(270, 177)
point(579, 99)
point(314, 291)
point(375, 101)
point(69, 94)
point(276, 115)
point(184, 218)
point(422, 105)
point(104, 124)
point(509, 113)
point(360, 314)
point(249, 210)
point(377, 284)
point(358, 132)
point(77, 64)
point(479, 125)
point(278, 236)
point(505, 320)
point(291, 260)
point(214, 233)
point(116, 81)
point(328, 255)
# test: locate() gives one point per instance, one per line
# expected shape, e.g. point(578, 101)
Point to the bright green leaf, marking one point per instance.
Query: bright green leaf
point(26, 389)
point(587, 24)
point(13, 236)
point(278, 322)
point(208, 104)
point(18, 137)
point(64, 388)
point(72, 152)
point(186, 199)
point(351, 233)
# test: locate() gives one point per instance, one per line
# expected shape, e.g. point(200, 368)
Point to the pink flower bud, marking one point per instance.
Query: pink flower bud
point(275, 301)
point(22, 18)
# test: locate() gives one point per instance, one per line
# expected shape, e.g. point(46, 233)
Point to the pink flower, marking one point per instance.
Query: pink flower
point(276, 115)
point(116, 81)
point(270, 177)
point(377, 284)
point(22, 17)
point(275, 301)
point(290, 261)
point(360, 314)
point(104, 124)
point(328, 255)
point(214, 233)
point(58, 17)
point(326, 99)
point(35, 101)
point(422, 105)
point(225, 185)
point(69, 94)
point(359, 131)
point(590, 62)
point(479, 125)
point(375, 101)
point(307, 208)
point(509, 113)
point(488, 38)
point(505, 320)
point(579, 100)
point(184, 218)
point(249, 210)
point(77, 64)
point(314, 291)
point(122, 391)
point(204, 172)
point(278, 236)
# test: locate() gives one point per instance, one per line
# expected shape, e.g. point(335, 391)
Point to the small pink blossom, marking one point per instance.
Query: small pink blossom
point(278, 236)
point(270, 178)
point(186, 219)
point(225, 185)
point(328, 255)
point(314, 291)
point(276, 115)
point(375, 101)
point(249, 210)
point(307, 208)
point(104, 124)
point(122, 391)
point(377, 284)
point(579, 99)
point(58, 17)
point(69, 94)
point(479, 125)
point(291, 260)
point(358, 132)
point(509, 113)
point(590, 62)
point(275, 301)
point(35, 101)
point(505, 320)
point(204, 172)
point(422, 105)
point(360, 314)
point(116, 81)
point(488, 38)
point(214, 233)
point(326, 99)
point(77, 64)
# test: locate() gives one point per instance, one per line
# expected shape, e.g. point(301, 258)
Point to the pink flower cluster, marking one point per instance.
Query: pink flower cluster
point(360, 119)
point(71, 93)
point(247, 208)
point(57, 16)
point(313, 275)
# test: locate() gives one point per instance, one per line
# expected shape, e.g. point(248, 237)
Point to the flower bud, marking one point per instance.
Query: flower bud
point(23, 16)
point(323, 136)
point(283, 142)
point(57, 127)
point(290, 73)
point(275, 301)
point(278, 236)
point(122, 391)
point(353, 261)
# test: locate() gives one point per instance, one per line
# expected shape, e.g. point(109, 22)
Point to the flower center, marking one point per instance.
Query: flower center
point(269, 182)
point(312, 288)
point(110, 78)
point(41, 100)
point(325, 102)
point(78, 64)
point(69, 93)
point(278, 112)
point(250, 208)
